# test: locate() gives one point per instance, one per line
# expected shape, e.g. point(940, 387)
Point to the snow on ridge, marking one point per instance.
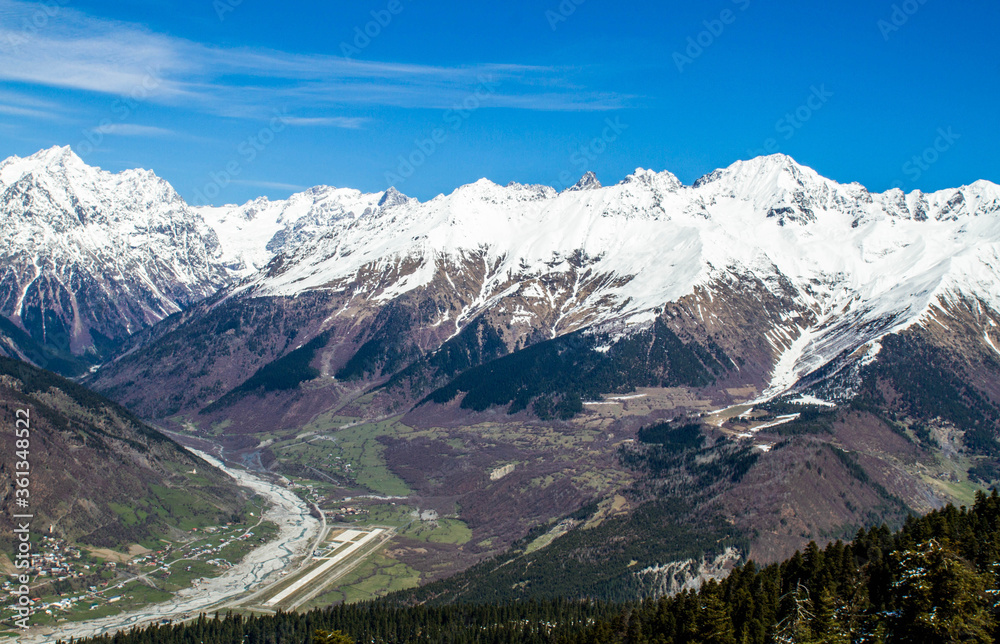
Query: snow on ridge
point(861, 265)
point(632, 227)
point(74, 217)
point(857, 260)
point(255, 232)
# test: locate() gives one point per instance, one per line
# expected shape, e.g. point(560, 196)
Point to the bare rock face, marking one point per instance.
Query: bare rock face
point(587, 182)
point(89, 257)
point(514, 324)
point(791, 276)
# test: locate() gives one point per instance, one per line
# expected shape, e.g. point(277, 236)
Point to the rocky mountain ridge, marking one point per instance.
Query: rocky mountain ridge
point(450, 338)
point(92, 258)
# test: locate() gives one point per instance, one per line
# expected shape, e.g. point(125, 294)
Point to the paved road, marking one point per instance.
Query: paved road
point(297, 531)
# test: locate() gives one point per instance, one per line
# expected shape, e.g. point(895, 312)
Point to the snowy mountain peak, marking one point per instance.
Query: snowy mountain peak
point(55, 160)
point(56, 156)
point(480, 185)
point(588, 181)
point(130, 239)
point(253, 233)
point(57, 153)
point(90, 257)
point(392, 198)
point(849, 265)
point(771, 173)
point(486, 191)
point(984, 186)
point(784, 190)
point(650, 178)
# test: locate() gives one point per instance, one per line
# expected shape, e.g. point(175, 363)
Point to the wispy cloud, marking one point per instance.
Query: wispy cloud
point(14, 110)
point(81, 52)
point(130, 129)
point(17, 104)
point(345, 122)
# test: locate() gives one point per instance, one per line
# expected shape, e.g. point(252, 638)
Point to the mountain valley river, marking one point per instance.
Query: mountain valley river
point(297, 531)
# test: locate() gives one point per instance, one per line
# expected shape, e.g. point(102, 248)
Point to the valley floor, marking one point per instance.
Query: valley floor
point(298, 534)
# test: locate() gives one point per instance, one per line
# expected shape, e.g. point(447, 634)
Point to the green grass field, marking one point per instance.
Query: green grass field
point(357, 446)
point(377, 576)
point(445, 530)
point(440, 531)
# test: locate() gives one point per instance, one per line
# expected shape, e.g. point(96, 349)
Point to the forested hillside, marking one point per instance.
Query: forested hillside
point(100, 476)
point(936, 580)
point(526, 623)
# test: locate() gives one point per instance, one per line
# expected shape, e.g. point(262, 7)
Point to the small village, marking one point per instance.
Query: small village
point(74, 582)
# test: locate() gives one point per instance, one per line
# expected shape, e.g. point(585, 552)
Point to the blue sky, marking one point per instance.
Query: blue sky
point(231, 99)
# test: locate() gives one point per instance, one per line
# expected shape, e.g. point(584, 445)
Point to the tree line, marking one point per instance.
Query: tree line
point(936, 580)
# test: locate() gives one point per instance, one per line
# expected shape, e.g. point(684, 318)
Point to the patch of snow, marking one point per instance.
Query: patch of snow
point(872, 354)
point(811, 400)
point(989, 341)
point(780, 420)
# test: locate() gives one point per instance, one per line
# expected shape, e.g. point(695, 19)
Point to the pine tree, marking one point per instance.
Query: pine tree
point(824, 625)
point(939, 598)
point(331, 637)
point(714, 623)
point(796, 627)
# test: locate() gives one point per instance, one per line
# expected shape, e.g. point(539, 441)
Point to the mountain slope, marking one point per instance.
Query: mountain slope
point(494, 352)
point(98, 474)
point(90, 257)
point(783, 270)
point(16, 343)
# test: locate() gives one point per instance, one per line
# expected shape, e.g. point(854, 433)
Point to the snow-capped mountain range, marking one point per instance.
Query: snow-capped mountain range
point(859, 265)
point(114, 253)
point(90, 257)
